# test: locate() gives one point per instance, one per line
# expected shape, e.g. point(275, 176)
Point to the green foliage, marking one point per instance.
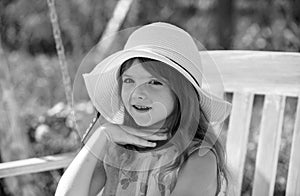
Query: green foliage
point(255, 25)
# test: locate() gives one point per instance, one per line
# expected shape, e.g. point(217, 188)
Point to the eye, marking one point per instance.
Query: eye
point(128, 80)
point(155, 82)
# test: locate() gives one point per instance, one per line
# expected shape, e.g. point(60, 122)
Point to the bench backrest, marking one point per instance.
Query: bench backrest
point(275, 76)
point(246, 74)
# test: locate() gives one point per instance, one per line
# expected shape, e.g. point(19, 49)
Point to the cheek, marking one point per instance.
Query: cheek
point(124, 96)
point(168, 100)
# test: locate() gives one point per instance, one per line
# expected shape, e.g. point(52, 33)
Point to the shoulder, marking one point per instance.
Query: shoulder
point(198, 175)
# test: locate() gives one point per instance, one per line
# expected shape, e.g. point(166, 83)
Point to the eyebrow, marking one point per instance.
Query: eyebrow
point(151, 77)
point(126, 75)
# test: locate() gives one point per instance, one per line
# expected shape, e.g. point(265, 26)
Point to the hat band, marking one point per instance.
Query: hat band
point(186, 71)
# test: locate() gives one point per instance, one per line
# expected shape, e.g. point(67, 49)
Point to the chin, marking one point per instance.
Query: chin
point(154, 125)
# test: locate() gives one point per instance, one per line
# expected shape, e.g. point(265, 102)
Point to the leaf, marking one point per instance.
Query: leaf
point(125, 183)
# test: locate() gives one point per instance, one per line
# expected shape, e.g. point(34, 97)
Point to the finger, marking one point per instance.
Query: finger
point(150, 136)
point(157, 137)
point(141, 142)
point(141, 132)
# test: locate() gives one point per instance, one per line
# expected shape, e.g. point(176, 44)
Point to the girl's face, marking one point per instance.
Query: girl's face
point(148, 99)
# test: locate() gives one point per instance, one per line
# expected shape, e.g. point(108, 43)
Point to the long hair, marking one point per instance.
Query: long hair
point(187, 122)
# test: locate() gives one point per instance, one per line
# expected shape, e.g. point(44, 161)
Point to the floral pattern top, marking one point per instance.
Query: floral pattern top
point(133, 173)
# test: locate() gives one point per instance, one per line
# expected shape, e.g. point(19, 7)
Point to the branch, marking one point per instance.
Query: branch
point(113, 25)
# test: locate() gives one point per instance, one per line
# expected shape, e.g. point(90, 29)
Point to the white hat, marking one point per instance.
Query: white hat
point(162, 42)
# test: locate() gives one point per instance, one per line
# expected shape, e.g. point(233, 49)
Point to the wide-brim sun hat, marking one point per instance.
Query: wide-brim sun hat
point(158, 41)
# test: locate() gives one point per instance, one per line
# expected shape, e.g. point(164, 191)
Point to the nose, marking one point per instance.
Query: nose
point(140, 92)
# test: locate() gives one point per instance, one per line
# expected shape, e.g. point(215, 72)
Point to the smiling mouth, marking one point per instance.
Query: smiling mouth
point(141, 108)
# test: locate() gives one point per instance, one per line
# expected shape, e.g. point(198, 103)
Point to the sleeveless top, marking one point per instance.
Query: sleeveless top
point(134, 173)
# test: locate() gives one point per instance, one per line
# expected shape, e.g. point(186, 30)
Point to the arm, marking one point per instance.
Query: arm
point(198, 175)
point(78, 177)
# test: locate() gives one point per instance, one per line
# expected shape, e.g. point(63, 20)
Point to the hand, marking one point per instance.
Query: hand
point(122, 134)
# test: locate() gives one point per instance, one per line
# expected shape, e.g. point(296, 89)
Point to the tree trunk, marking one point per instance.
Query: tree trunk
point(225, 23)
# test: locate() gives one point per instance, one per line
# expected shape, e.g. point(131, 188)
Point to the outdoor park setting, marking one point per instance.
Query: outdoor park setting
point(255, 45)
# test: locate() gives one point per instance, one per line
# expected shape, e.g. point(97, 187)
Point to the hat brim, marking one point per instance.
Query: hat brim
point(102, 87)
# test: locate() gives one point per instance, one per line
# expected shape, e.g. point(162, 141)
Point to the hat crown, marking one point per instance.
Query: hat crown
point(170, 37)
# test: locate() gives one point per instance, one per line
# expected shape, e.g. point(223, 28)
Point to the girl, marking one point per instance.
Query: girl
point(157, 138)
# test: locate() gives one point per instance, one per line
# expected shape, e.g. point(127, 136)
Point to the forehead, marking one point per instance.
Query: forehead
point(137, 70)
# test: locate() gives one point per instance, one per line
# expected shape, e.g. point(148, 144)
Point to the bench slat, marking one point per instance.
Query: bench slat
point(268, 145)
point(293, 183)
point(237, 137)
point(35, 165)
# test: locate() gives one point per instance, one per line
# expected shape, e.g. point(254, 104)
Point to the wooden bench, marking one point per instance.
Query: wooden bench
point(276, 76)
point(246, 74)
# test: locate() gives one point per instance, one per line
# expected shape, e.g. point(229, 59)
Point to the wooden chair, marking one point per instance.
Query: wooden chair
point(246, 74)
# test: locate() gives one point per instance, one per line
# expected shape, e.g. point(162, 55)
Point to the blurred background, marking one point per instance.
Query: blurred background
point(34, 114)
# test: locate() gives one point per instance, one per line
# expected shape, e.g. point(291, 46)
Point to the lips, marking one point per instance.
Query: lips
point(141, 108)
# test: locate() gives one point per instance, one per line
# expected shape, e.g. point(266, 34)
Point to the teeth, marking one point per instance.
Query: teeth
point(141, 107)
